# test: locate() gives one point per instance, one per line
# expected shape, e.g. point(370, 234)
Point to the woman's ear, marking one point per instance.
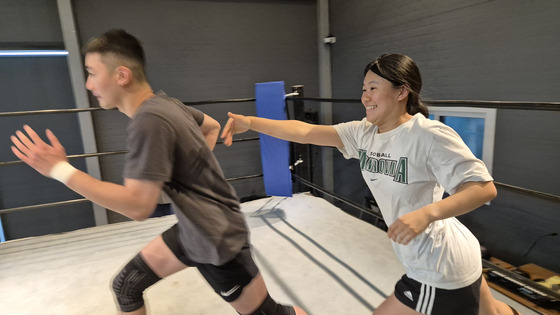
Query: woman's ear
point(403, 93)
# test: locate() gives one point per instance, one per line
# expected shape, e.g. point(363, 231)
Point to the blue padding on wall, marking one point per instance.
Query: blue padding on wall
point(275, 153)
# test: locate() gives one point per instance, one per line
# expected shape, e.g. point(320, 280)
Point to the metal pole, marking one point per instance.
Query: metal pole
point(300, 151)
point(75, 65)
point(325, 87)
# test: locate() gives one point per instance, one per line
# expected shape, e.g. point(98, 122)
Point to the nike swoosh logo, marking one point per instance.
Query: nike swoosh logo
point(372, 179)
point(230, 292)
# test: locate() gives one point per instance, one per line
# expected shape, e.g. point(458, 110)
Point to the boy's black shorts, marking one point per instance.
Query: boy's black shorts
point(229, 279)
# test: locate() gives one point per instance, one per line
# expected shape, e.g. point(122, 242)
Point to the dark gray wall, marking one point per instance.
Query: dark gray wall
point(29, 22)
point(203, 50)
point(36, 84)
point(470, 50)
point(465, 49)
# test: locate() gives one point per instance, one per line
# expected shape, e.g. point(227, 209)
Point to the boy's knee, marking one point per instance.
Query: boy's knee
point(130, 283)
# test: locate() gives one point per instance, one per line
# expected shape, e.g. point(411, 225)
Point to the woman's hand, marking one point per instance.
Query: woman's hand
point(469, 196)
point(408, 226)
point(235, 124)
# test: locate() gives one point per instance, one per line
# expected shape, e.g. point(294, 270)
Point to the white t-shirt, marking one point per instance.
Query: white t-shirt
point(410, 167)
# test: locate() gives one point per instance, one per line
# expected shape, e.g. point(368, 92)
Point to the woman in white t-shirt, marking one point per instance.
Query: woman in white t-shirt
point(408, 161)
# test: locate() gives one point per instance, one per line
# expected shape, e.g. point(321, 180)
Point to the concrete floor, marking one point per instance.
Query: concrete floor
point(310, 253)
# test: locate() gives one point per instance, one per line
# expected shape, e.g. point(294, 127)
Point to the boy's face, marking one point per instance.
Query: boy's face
point(102, 81)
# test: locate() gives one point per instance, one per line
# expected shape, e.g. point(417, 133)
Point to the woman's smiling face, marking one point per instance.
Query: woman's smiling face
point(381, 100)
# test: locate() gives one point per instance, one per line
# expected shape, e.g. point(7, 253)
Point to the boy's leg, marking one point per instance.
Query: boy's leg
point(239, 283)
point(255, 300)
point(155, 261)
point(161, 259)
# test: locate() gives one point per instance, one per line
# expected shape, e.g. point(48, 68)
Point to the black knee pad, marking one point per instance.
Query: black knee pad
point(130, 283)
point(270, 307)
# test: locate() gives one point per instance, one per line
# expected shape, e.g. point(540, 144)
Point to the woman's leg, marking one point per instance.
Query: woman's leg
point(489, 305)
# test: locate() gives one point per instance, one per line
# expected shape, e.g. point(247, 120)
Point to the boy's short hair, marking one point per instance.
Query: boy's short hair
point(119, 48)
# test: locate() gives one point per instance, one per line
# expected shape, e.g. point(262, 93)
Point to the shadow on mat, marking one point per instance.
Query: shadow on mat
point(271, 216)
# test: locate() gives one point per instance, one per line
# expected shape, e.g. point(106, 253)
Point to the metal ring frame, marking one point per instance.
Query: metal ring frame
point(550, 106)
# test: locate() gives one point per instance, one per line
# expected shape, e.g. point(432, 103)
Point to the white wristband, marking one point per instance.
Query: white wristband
point(62, 171)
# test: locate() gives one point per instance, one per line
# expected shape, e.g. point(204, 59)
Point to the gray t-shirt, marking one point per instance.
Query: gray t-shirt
point(165, 143)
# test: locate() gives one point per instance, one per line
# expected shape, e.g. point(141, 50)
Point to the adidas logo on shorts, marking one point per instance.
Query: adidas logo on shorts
point(408, 294)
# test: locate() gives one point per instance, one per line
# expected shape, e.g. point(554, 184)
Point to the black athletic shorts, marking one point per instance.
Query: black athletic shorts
point(433, 301)
point(229, 279)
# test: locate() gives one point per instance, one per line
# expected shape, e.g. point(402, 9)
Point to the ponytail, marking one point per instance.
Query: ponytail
point(414, 105)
